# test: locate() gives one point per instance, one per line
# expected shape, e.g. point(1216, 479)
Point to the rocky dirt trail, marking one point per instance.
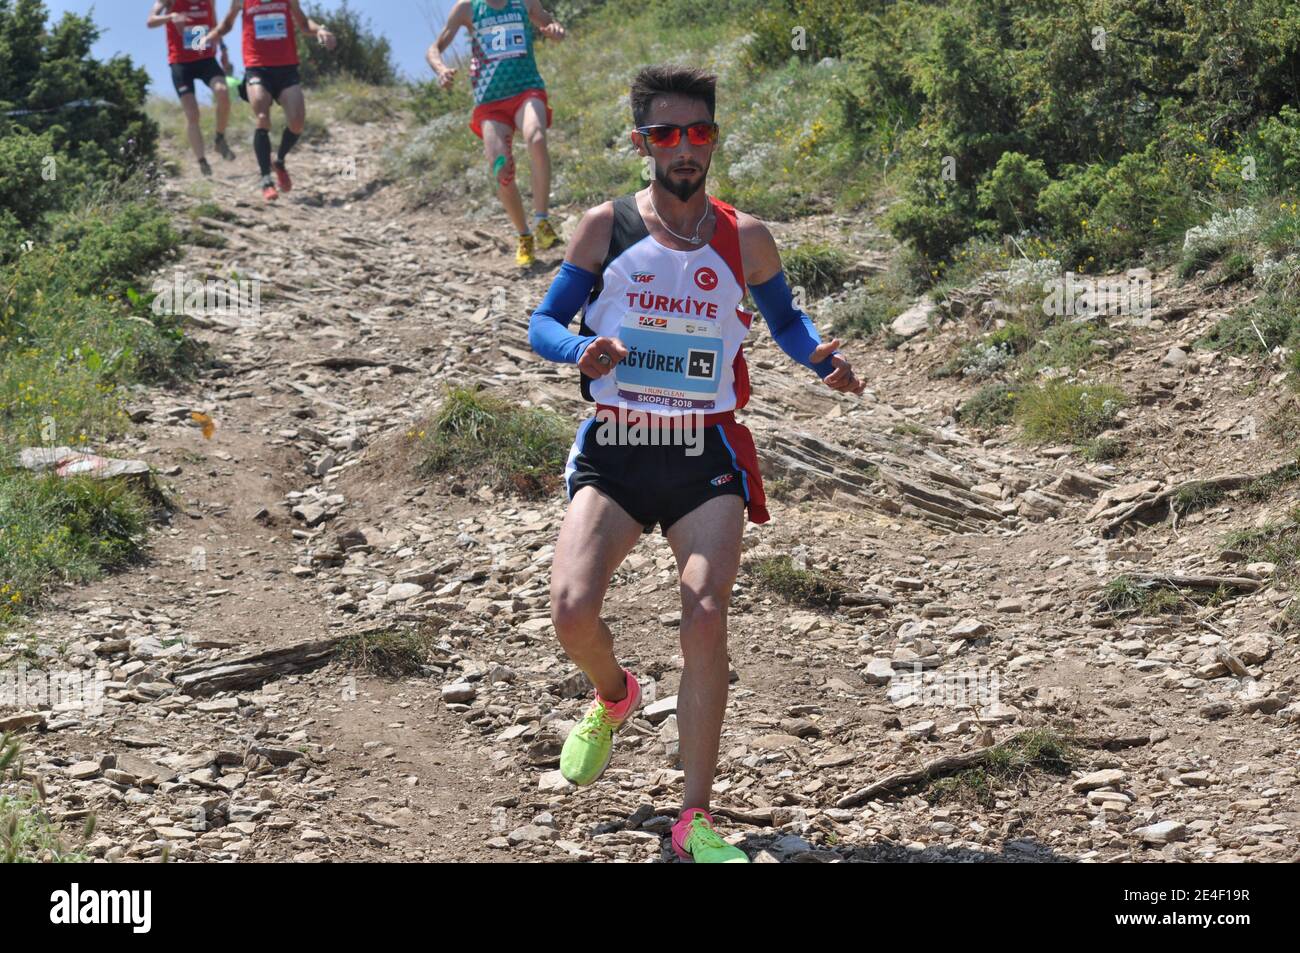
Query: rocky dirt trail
point(230, 732)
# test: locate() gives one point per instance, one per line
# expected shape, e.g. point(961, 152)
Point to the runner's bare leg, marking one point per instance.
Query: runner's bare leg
point(497, 142)
point(706, 543)
point(294, 104)
point(260, 100)
point(190, 106)
point(221, 96)
point(531, 118)
point(595, 538)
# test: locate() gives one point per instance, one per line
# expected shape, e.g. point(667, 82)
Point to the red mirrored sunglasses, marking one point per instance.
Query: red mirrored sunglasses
point(668, 136)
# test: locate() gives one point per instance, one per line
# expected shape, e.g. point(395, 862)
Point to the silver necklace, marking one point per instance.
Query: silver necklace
point(698, 225)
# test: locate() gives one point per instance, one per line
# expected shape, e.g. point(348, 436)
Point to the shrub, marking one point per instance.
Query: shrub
point(1010, 193)
point(361, 53)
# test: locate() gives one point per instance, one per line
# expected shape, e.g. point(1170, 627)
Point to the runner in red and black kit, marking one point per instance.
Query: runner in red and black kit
point(187, 23)
point(271, 75)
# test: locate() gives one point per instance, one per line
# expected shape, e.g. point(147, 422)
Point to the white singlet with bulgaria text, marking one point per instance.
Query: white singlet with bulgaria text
point(679, 315)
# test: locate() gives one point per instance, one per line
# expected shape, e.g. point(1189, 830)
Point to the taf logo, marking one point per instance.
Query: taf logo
point(707, 279)
point(723, 480)
point(642, 277)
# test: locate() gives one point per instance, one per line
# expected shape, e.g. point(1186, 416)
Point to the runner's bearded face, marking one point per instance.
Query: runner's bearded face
point(683, 167)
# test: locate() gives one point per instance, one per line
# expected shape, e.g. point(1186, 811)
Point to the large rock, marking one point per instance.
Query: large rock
point(660, 710)
point(1166, 832)
point(1099, 779)
point(914, 320)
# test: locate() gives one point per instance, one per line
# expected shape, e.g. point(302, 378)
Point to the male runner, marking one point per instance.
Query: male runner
point(509, 95)
point(271, 74)
point(660, 276)
point(187, 22)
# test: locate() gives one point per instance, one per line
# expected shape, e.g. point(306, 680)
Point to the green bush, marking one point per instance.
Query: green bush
point(1277, 145)
point(25, 193)
point(808, 29)
point(78, 237)
point(1010, 193)
point(361, 53)
point(1107, 144)
point(44, 68)
point(54, 530)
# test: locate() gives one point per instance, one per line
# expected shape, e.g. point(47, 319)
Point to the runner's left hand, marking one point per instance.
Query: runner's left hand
point(327, 39)
point(554, 30)
point(842, 378)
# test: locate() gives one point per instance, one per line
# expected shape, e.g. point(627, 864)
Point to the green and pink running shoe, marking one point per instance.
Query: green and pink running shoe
point(695, 839)
point(590, 744)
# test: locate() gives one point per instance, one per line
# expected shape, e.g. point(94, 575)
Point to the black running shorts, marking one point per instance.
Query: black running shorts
point(185, 76)
point(274, 79)
point(655, 483)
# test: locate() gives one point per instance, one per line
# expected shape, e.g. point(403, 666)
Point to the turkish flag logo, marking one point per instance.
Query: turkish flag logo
point(707, 279)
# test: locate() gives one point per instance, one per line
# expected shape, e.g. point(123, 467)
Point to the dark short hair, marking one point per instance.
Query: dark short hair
point(665, 79)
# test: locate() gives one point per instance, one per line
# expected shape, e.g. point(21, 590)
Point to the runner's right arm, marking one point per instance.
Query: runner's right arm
point(548, 331)
point(161, 15)
point(546, 24)
point(225, 26)
point(460, 16)
point(311, 27)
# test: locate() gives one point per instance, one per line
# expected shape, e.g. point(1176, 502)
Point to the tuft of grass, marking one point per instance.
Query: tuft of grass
point(480, 436)
point(992, 406)
point(1060, 410)
point(1265, 487)
point(1006, 765)
point(1101, 449)
point(1070, 346)
point(1268, 322)
point(875, 303)
point(817, 267)
point(210, 209)
point(1126, 594)
point(391, 653)
point(27, 834)
point(1278, 543)
point(203, 238)
point(351, 101)
point(55, 530)
point(1197, 495)
point(1199, 258)
point(780, 575)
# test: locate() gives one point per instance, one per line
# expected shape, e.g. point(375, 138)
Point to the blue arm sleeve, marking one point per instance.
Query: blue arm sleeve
point(548, 331)
point(792, 330)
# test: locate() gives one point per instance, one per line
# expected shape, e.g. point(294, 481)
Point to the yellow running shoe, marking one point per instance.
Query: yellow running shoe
point(524, 257)
point(547, 236)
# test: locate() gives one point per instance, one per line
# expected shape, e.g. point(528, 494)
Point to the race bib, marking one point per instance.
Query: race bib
point(504, 42)
point(673, 362)
point(192, 36)
point(270, 26)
